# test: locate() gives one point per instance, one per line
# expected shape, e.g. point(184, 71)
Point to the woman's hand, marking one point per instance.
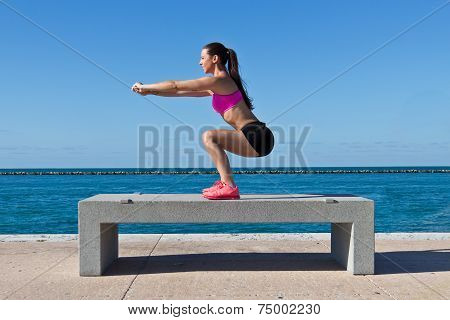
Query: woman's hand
point(137, 87)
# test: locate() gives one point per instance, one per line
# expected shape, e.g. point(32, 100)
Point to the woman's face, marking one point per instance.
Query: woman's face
point(206, 62)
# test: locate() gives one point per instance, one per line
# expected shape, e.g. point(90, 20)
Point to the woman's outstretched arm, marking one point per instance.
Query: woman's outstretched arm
point(174, 86)
point(203, 93)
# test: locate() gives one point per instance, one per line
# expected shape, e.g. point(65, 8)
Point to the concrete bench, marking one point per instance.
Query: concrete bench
point(351, 218)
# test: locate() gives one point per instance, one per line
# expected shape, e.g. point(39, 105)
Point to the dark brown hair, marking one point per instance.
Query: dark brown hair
point(227, 55)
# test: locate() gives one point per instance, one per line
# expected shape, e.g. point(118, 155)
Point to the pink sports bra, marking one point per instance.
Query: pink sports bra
point(223, 102)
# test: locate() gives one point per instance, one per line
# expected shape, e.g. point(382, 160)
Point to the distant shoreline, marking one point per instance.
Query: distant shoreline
point(174, 171)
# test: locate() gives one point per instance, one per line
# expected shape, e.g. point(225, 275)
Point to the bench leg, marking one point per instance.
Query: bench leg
point(98, 245)
point(353, 246)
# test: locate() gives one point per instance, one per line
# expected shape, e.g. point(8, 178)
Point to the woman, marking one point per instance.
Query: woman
point(251, 138)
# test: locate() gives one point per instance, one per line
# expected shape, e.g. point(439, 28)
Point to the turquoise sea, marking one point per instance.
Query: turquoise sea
point(407, 199)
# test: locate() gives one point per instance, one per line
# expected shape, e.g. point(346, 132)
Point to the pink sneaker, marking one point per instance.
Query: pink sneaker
point(223, 192)
point(215, 184)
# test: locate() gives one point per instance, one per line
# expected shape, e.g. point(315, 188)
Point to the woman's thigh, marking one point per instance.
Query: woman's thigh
point(233, 141)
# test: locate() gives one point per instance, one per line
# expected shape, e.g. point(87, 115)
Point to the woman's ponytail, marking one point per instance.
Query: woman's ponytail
point(233, 70)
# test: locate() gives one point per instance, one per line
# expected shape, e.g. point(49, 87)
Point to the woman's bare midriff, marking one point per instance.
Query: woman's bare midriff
point(239, 115)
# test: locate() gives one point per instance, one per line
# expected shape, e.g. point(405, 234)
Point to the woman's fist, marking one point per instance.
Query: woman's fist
point(137, 87)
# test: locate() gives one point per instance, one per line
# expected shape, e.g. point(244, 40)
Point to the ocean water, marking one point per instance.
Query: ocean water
point(407, 199)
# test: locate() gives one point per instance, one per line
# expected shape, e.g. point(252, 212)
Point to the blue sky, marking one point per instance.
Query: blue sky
point(59, 110)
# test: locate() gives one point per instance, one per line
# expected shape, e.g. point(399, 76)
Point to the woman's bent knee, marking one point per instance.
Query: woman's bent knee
point(208, 137)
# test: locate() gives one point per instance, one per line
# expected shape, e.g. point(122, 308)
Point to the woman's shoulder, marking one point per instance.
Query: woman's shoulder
point(226, 86)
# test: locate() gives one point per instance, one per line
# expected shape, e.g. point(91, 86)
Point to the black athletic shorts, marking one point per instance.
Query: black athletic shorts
point(259, 136)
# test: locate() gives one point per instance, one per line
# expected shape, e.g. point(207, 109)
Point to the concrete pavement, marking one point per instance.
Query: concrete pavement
point(225, 266)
